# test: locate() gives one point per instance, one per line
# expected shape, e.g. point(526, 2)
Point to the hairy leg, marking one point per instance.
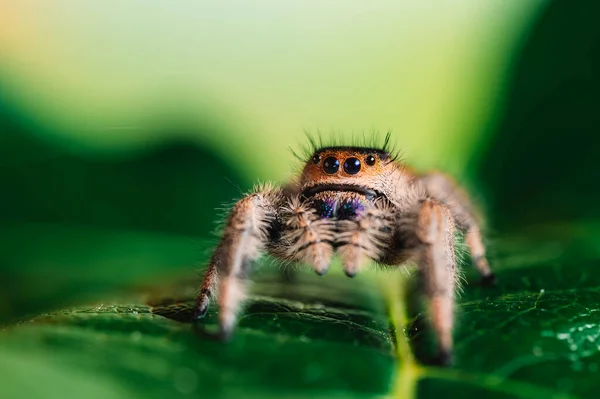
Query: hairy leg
point(245, 236)
point(209, 283)
point(441, 187)
point(306, 238)
point(364, 238)
point(430, 233)
point(475, 244)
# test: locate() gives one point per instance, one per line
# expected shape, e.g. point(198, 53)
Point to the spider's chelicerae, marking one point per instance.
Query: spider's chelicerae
point(363, 204)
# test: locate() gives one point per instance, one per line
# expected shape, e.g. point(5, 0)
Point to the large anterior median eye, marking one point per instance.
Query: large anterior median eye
point(331, 165)
point(352, 166)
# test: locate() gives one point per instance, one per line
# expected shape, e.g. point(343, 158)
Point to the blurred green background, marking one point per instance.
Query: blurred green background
point(125, 126)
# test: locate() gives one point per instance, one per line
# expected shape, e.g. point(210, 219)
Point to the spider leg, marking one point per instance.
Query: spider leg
point(440, 186)
point(245, 236)
point(475, 243)
point(209, 283)
point(430, 233)
point(306, 237)
point(363, 239)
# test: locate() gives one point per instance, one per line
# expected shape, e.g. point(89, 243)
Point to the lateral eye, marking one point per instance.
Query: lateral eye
point(316, 159)
point(370, 160)
point(331, 165)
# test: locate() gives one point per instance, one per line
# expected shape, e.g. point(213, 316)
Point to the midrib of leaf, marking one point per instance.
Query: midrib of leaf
point(409, 371)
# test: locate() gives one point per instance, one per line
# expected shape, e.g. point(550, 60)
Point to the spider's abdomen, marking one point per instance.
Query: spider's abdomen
point(339, 205)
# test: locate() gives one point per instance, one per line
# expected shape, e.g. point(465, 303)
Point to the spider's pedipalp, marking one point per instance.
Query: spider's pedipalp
point(306, 237)
point(363, 239)
point(244, 237)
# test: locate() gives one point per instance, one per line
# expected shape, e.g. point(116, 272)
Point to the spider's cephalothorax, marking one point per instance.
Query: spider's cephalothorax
point(362, 204)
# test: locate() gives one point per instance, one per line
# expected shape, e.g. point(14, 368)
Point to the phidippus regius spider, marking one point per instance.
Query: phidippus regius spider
point(363, 204)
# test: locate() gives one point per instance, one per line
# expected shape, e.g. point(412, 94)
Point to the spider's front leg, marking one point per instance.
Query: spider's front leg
point(245, 236)
point(430, 231)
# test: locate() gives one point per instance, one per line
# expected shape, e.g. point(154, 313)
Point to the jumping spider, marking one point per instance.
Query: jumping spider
point(364, 204)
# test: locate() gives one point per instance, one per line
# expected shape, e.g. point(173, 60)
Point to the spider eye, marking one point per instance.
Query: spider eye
point(316, 159)
point(331, 165)
point(370, 160)
point(352, 166)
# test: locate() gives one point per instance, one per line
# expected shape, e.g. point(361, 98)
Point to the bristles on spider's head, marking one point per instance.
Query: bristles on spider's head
point(373, 142)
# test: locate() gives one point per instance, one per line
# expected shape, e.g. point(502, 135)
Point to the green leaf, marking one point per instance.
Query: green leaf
point(312, 337)
point(536, 334)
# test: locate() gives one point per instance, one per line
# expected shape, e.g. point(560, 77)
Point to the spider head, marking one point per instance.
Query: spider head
point(349, 168)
